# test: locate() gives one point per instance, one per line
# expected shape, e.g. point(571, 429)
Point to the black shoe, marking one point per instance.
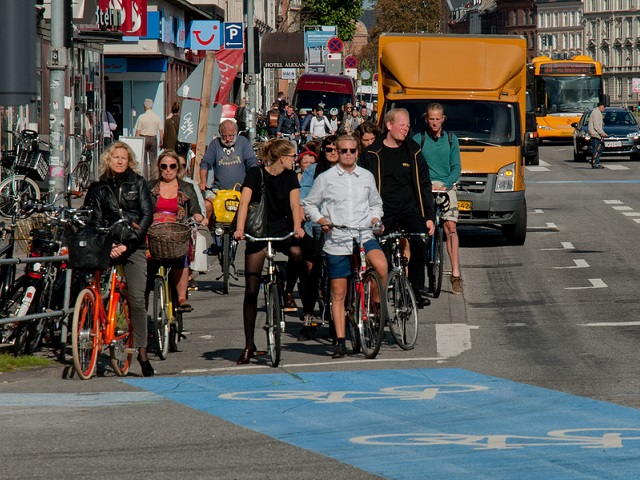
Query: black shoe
point(147, 369)
point(340, 351)
point(213, 249)
point(422, 297)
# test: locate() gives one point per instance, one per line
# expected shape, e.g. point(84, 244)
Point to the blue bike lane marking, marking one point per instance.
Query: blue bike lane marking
point(424, 423)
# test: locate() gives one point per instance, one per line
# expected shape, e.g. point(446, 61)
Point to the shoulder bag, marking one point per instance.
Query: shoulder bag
point(256, 222)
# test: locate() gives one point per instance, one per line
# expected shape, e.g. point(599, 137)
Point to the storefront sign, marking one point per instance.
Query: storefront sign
point(132, 16)
point(206, 35)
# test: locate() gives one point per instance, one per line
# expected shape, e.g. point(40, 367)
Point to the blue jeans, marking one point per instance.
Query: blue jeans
point(596, 150)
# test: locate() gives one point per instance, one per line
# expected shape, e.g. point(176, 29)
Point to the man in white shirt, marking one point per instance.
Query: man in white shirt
point(345, 195)
point(149, 126)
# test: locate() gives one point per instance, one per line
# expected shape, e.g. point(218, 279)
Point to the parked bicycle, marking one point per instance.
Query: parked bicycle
point(101, 320)
point(81, 174)
point(401, 299)
point(435, 246)
point(365, 303)
point(273, 299)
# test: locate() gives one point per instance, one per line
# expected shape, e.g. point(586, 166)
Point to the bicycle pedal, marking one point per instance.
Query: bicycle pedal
point(131, 351)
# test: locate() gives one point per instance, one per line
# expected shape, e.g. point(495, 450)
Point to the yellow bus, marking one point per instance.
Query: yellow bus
point(562, 90)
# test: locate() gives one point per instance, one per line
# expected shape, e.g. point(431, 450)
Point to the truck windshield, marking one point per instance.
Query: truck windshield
point(310, 99)
point(474, 122)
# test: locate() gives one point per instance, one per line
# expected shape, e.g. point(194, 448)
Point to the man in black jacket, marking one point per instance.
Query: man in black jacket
point(402, 177)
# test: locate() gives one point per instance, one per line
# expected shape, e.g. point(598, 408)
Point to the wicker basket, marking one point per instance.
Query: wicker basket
point(23, 229)
point(169, 240)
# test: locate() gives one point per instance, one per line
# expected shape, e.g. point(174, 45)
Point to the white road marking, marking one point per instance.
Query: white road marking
point(579, 263)
point(544, 164)
point(631, 214)
point(613, 166)
point(535, 168)
point(610, 324)
point(537, 210)
point(565, 246)
point(613, 202)
point(206, 337)
point(637, 220)
point(452, 339)
point(595, 283)
point(77, 400)
point(622, 208)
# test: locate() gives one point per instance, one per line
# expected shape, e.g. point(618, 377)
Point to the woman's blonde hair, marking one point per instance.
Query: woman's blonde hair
point(275, 149)
point(168, 153)
point(105, 158)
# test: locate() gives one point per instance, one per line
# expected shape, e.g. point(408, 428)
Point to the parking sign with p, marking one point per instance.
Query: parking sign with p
point(233, 35)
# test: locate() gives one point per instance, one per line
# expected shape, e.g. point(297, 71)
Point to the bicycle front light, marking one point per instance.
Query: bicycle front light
point(506, 178)
point(219, 231)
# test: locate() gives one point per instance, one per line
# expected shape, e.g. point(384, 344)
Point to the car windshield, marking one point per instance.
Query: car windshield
point(474, 122)
point(618, 119)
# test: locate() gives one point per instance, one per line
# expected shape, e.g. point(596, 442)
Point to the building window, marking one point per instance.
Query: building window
point(541, 20)
point(565, 44)
point(555, 19)
point(605, 5)
point(565, 19)
point(579, 41)
point(618, 91)
point(547, 21)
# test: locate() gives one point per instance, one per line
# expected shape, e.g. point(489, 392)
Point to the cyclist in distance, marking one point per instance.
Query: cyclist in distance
point(283, 216)
point(230, 157)
point(346, 195)
point(121, 192)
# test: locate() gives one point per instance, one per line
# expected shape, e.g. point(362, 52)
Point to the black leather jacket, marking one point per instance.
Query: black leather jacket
point(126, 196)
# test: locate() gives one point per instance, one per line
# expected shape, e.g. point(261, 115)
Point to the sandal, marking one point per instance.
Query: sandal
point(184, 305)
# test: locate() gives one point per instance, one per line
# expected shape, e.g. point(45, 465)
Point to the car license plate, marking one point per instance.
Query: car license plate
point(464, 206)
point(612, 144)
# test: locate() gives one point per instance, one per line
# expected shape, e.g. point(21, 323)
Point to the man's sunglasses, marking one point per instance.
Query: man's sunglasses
point(350, 150)
point(164, 166)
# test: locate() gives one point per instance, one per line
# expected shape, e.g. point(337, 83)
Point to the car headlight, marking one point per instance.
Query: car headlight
point(544, 127)
point(635, 136)
point(506, 178)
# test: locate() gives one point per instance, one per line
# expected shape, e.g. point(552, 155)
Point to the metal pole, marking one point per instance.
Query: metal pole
point(251, 74)
point(57, 65)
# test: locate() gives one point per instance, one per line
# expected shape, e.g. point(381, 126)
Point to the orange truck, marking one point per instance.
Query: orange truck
point(481, 82)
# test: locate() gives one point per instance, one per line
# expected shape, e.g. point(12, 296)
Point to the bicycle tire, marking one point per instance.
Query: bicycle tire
point(160, 320)
point(121, 348)
point(403, 310)
point(12, 190)
point(350, 313)
point(85, 335)
point(80, 176)
point(226, 261)
point(175, 332)
point(438, 260)
point(274, 327)
point(11, 305)
point(370, 314)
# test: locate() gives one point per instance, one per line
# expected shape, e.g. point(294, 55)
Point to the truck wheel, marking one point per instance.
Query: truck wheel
point(516, 233)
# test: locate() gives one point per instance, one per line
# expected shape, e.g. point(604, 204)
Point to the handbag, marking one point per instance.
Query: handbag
point(256, 222)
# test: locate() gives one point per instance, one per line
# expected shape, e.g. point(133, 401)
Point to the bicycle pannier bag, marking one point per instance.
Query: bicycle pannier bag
point(256, 223)
point(89, 250)
point(225, 205)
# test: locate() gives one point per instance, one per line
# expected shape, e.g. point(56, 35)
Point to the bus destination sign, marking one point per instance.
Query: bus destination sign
point(568, 69)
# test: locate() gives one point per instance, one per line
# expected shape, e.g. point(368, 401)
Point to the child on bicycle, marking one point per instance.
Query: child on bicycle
point(346, 195)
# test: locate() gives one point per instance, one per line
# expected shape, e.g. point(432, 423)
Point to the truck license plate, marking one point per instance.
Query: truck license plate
point(612, 144)
point(464, 206)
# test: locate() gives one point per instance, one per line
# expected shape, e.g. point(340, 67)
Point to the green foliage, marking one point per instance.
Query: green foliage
point(9, 362)
point(342, 13)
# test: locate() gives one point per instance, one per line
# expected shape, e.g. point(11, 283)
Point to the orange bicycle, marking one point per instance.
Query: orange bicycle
point(96, 327)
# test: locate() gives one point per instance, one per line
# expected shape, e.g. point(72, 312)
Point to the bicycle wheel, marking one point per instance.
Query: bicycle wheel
point(85, 335)
point(10, 307)
point(274, 325)
point(226, 261)
point(175, 332)
point(370, 314)
point(438, 260)
point(80, 176)
point(403, 310)
point(160, 320)
point(13, 189)
point(350, 312)
point(121, 348)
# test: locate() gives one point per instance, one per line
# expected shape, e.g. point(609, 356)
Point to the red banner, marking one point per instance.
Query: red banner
point(229, 62)
point(132, 14)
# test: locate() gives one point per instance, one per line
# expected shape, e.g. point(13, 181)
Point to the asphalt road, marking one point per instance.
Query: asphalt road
point(543, 340)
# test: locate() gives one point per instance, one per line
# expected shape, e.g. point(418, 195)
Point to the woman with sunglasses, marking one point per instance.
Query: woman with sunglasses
point(312, 242)
point(283, 216)
point(120, 193)
point(174, 200)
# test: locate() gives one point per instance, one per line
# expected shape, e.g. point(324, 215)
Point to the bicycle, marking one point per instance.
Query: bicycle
point(167, 322)
point(365, 316)
point(273, 301)
point(435, 246)
point(82, 171)
point(225, 206)
point(401, 299)
point(101, 320)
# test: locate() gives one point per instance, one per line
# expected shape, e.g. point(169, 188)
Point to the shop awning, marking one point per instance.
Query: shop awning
point(282, 50)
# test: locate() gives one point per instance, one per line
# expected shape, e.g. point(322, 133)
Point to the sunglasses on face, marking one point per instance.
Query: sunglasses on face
point(164, 166)
point(183, 165)
point(329, 149)
point(349, 150)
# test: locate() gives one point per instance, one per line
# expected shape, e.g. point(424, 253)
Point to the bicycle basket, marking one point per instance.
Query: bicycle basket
point(226, 203)
point(89, 250)
point(32, 163)
point(8, 158)
point(24, 226)
point(169, 240)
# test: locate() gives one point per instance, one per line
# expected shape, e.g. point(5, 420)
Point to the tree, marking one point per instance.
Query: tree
point(342, 13)
point(409, 16)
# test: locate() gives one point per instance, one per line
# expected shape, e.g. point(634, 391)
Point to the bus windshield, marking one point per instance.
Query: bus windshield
point(474, 122)
point(567, 94)
point(310, 99)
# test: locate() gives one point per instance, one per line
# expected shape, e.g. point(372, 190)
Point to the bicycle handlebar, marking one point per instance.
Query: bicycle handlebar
point(268, 239)
point(393, 235)
point(372, 228)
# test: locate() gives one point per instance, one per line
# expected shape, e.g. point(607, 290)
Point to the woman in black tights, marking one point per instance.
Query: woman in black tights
point(283, 215)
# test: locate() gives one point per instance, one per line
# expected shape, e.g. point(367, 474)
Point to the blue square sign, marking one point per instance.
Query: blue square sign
point(233, 35)
point(206, 35)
